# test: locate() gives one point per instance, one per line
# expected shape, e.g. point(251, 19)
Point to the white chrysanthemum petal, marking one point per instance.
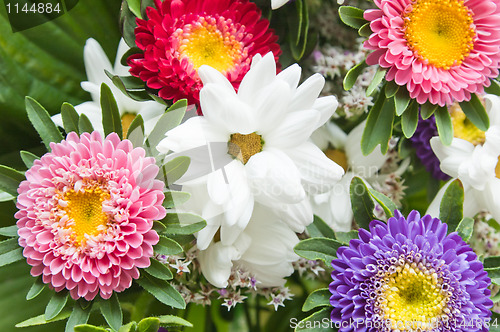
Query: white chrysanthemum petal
point(259, 76)
point(118, 68)
point(490, 198)
point(293, 130)
point(307, 93)
point(216, 263)
point(275, 4)
point(96, 62)
point(451, 156)
point(271, 106)
point(296, 216)
point(291, 75)
point(210, 75)
point(365, 166)
point(326, 106)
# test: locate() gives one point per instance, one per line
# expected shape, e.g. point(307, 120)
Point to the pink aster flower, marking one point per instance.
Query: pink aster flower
point(181, 35)
point(442, 50)
point(86, 213)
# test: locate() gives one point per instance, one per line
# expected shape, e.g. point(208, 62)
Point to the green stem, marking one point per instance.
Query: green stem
point(257, 313)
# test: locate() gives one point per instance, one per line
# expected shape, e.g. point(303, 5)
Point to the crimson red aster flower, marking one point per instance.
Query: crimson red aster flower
point(180, 36)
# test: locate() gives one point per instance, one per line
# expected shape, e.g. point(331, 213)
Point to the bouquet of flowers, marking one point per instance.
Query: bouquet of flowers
point(248, 165)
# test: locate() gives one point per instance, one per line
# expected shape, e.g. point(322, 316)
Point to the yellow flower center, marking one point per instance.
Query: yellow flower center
point(205, 44)
point(497, 169)
point(440, 32)
point(463, 128)
point(84, 210)
point(338, 156)
point(413, 299)
point(127, 119)
point(242, 147)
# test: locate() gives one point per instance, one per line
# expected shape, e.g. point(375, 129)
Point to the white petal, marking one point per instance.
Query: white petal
point(490, 198)
point(96, 61)
point(271, 106)
point(307, 93)
point(365, 166)
point(295, 129)
point(93, 111)
point(340, 205)
point(210, 75)
point(433, 208)
point(451, 156)
point(216, 263)
point(326, 107)
point(296, 216)
point(118, 68)
point(258, 77)
point(291, 75)
point(275, 4)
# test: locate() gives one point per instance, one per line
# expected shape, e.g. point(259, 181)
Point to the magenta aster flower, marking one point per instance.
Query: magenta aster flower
point(409, 275)
point(180, 36)
point(86, 213)
point(442, 50)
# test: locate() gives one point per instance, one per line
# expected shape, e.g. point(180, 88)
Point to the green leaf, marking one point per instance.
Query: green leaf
point(6, 197)
point(111, 120)
point(171, 119)
point(10, 180)
point(128, 53)
point(170, 320)
point(159, 270)
point(384, 202)
point(41, 121)
point(476, 113)
point(130, 86)
point(84, 124)
point(79, 315)
point(494, 322)
point(162, 291)
point(130, 327)
point(377, 79)
point(378, 127)
point(345, 237)
point(311, 323)
point(352, 75)
point(175, 198)
point(318, 248)
point(451, 208)
point(11, 256)
point(145, 4)
point(362, 203)
point(127, 24)
point(149, 324)
point(28, 158)
point(135, 7)
point(320, 229)
point(56, 305)
point(427, 109)
point(10, 231)
point(401, 101)
point(391, 88)
point(494, 88)
point(365, 30)
point(112, 312)
point(69, 118)
point(35, 289)
point(40, 320)
point(159, 227)
point(298, 26)
point(89, 328)
point(167, 247)
point(318, 298)
point(8, 245)
point(352, 16)
point(136, 128)
point(409, 120)
point(175, 169)
point(444, 125)
point(492, 262)
point(465, 228)
point(186, 227)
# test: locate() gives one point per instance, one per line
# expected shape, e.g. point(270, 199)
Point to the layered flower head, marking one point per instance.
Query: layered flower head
point(180, 36)
point(441, 50)
point(86, 213)
point(409, 275)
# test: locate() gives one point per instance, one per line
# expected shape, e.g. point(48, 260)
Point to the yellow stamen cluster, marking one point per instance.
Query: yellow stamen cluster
point(497, 168)
point(206, 45)
point(463, 128)
point(338, 156)
point(242, 147)
point(413, 298)
point(440, 32)
point(85, 213)
point(127, 119)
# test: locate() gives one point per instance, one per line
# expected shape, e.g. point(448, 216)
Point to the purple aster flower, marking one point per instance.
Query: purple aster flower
point(162, 329)
point(409, 275)
point(421, 142)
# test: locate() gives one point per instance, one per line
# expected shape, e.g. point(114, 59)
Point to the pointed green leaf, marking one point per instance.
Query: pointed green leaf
point(40, 320)
point(56, 305)
point(170, 320)
point(111, 120)
point(136, 124)
point(427, 109)
point(365, 30)
point(346, 237)
point(320, 229)
point(451, 208)
point(159, 270)
point(135, 7)
point(362, 203)
point(112, 312)
point(183, 223)
point(10, 231)
point(315, 322)
point(149, 324)
point(476, 113)
point(28, 158)
point(391, 88)
point(175, 199)
point(352, 16)
point(444, 125)
point(409, 120)
point(145, 4)
point(318, 298)
point(378, 127)
point(318, 248)
point(130, 327)
point(171, 119)
point(162, 291)
point(84, 124)
point(159, 227)
point(41, 121)
point(494, 88)
point(35, 289)
point(8, 245)
point(387, 205)
point(70, 118)
point(492, 262)
point(127, 24)
point(6, 197)
point(89, 328)
point(79, 315)
point(10, 180)
point(167, 246)
point(401, 101)
point(352, 75)
point(130, 86)
point(175, 169)
point(377, 79)
point(465, 228)
point(11, 256)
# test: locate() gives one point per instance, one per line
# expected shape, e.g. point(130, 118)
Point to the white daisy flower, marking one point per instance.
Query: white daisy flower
point(472, 157)
point(96, 62)
point(275, 4)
